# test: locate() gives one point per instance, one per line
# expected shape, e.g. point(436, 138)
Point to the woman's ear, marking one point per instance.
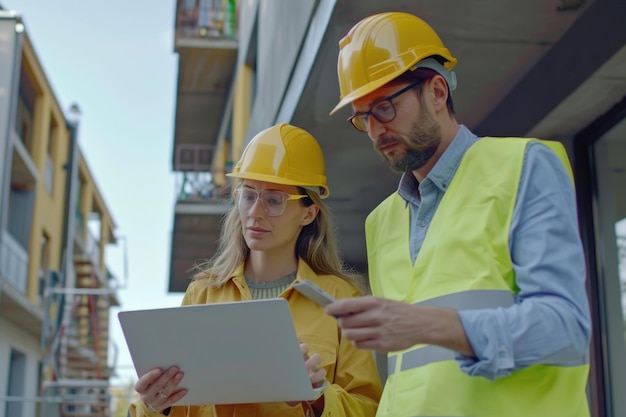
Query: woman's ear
point(310, 214)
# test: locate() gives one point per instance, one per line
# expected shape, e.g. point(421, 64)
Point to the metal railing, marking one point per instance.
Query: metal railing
point(206, 19)
point(13, 262)
point(77, 352)
point(199, 187)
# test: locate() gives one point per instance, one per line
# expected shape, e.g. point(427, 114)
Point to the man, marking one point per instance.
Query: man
point(475, 262)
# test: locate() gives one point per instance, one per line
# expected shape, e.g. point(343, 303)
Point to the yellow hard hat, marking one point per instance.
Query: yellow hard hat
point(284, 154)
point(380, 48)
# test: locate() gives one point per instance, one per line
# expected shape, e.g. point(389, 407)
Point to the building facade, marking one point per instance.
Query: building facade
point(548, 69)
point(55, 289)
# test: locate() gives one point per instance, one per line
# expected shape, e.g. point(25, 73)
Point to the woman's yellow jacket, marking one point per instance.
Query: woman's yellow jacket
point(355, 386)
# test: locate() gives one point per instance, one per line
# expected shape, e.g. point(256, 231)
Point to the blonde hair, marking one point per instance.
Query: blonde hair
point(316, 245)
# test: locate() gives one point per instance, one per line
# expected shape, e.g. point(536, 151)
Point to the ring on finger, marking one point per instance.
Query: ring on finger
point(163, 395)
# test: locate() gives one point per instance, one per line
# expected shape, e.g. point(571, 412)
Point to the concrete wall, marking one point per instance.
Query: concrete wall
point(282, 27)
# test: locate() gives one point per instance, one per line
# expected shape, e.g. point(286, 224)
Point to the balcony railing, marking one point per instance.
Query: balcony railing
point(13, 262)
point(206, 19)
point(199, 187)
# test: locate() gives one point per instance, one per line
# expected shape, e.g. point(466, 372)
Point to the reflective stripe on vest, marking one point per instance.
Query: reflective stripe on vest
point(466, 300)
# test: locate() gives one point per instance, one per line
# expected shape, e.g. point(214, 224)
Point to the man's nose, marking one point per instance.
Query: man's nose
point(375, 129)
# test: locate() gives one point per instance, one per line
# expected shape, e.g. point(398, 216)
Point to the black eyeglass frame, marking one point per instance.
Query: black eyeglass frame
point(359, 115)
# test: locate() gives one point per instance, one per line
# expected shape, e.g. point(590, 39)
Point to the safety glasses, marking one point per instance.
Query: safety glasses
point(273, 202)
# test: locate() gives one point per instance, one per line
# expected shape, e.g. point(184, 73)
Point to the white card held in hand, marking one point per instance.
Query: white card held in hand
point(313, 292)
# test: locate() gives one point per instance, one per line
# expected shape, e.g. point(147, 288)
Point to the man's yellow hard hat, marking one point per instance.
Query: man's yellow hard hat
point(380, 48)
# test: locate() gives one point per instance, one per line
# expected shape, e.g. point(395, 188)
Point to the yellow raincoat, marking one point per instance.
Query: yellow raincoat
point(355, 386)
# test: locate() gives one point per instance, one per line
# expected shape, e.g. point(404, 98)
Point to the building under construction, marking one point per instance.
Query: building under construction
point(55, 289)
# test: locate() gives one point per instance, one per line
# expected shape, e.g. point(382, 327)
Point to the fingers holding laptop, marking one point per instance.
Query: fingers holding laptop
point(317, 374)
point(159, 390)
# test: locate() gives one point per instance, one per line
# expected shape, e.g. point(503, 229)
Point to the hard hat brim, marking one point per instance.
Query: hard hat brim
point(279, 180)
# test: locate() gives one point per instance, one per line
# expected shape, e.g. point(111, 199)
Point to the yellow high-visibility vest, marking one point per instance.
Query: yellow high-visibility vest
point(464, 263)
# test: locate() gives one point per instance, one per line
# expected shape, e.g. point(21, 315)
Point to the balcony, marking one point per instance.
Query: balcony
point(13, 262)
point(205, 19)
point(206, 43)
point(199, 209)
point(14, 304)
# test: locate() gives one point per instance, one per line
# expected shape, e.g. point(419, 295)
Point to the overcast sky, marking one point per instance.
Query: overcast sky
point(115, 59)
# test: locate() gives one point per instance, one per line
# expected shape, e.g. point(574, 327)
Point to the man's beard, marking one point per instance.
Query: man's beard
point(424, 139)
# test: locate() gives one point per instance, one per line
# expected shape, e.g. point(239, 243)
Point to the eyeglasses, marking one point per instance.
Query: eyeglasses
point(383, 110)
point(273, 202)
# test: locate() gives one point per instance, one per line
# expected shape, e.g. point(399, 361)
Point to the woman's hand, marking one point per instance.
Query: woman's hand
point(317, 374)
point(159, 390)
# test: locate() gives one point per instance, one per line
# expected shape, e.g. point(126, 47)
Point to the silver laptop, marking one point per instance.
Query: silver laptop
point(230, 353)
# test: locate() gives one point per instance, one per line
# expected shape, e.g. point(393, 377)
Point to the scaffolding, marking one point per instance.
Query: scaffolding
point(77, 374)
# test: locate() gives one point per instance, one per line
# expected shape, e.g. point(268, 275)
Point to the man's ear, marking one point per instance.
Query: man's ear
point(438, 90)
point(310, 215)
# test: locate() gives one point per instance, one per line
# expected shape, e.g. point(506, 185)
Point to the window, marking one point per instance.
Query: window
point(609, 165)
point(16, 383)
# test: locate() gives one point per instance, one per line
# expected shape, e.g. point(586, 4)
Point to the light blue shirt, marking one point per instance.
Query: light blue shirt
point(550, 322)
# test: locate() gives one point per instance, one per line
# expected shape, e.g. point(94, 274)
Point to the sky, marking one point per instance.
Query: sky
point(116, 60)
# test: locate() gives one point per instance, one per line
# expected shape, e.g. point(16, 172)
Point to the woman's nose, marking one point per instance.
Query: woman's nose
point(257, 211)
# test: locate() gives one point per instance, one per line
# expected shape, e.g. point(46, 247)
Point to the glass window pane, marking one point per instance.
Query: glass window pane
point(610, 230)
point(620, 231)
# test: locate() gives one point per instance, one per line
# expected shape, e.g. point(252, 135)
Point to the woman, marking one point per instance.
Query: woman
point(279, 232)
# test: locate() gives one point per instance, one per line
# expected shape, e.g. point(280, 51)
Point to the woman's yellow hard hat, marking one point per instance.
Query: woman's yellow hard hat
point(284, 154)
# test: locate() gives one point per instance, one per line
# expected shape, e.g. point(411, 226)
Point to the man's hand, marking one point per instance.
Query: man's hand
point(387, 326)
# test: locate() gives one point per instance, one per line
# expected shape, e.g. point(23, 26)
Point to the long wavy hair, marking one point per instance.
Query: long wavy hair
point(316, 245)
